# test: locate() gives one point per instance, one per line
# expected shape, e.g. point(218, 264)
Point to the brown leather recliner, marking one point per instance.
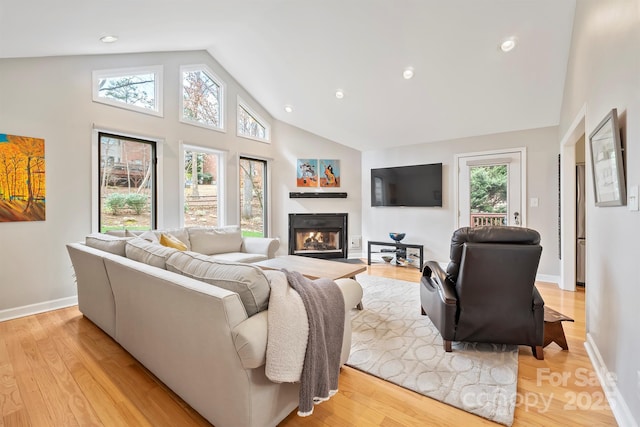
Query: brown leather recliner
point(487, 293)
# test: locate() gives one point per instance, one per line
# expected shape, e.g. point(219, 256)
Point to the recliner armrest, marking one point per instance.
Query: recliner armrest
point(538, 302)
point(436, 278)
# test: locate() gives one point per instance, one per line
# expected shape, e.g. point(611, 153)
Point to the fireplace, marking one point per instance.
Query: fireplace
point(318, 235)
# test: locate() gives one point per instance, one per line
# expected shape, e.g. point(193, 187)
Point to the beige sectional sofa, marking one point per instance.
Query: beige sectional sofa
point(222, 243)
point(198, 323)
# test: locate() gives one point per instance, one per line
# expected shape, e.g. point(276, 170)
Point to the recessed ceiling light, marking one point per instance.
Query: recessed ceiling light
point(339, 94)
point(407, 73)
point(109, 39)
point(288, 108)
point(508, 44)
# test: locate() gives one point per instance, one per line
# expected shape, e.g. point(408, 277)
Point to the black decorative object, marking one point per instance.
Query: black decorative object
point(316, 195)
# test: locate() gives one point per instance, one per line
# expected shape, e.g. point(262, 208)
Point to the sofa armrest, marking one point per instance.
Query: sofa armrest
point(250, 339)
point(351, 291)
point(260, 245)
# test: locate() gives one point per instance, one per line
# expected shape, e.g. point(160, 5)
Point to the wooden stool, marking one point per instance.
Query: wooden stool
point(553, 331)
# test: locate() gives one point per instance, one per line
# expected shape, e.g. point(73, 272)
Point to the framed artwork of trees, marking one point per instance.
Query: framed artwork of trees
point(22, 178)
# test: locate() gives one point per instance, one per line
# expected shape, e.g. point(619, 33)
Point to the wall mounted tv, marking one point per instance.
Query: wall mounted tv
point(416, 185)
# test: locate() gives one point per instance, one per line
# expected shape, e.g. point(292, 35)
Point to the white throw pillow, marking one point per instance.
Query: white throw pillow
point(147, 252)
point(247, 280)
point(215, 240)
point(149, 236)
point(107, 243)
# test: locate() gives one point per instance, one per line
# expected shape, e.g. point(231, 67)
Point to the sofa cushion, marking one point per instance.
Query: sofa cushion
point(147, 252)
point(239, 257)
point(107, 243)
point(247, 280)
point(215, 240)
point(172, 242)
point(146, 235)
point(150, 236)
point(181, 233)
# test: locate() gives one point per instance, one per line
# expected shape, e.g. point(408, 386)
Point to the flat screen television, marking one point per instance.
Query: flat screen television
point(415, 185)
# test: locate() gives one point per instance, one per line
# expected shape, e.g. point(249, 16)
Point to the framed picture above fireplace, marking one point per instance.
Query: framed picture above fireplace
point(307, 173)
point(318, 173)
point(329, 173)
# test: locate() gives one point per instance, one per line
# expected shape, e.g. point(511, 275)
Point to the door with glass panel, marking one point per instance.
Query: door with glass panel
point(253, 200)
point(490, 189)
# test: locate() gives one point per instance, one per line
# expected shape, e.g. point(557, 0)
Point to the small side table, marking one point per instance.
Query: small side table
point(553, 331)
point(397, 246)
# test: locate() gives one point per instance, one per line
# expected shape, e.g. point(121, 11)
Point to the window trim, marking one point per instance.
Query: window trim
point(95, 173)
point(156, 70)
point(222, 101)
point(267, 127)
point(221, 177)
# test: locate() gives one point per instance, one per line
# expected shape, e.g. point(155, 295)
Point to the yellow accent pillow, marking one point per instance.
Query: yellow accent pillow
point(172, 242)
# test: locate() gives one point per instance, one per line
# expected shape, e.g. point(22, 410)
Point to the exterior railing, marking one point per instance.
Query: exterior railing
point(480, 219)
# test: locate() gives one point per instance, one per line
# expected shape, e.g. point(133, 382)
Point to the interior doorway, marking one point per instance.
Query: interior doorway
point(581, 212)
point(569, 149)
point(490, 188)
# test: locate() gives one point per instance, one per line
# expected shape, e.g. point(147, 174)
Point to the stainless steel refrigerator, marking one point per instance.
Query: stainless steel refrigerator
point(580, 225)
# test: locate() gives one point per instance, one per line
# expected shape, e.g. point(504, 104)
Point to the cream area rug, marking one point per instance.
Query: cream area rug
point(393, 341)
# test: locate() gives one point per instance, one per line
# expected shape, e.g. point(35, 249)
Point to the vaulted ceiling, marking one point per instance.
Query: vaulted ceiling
point(299, 52)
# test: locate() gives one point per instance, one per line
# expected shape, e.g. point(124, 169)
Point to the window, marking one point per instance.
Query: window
point(137, 89)
point(127, 183)
point(253, 201)
point(490, 188)
point(488, 194)
point(202, 97)
point(250, 124)
point(202, 185)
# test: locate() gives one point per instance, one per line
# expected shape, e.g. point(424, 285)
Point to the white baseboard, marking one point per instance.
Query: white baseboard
point(550, 278)
point(617, 403)
point(41, 307)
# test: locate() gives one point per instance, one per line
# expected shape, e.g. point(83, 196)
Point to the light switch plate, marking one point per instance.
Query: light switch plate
point(632, 198)
point(533, 202)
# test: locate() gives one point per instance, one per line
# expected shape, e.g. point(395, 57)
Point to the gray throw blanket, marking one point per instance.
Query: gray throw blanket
point(325, 308)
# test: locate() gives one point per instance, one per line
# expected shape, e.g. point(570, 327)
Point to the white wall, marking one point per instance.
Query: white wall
point(51, 98)
point(604, 73)
point(433, 227)
point(293, 144)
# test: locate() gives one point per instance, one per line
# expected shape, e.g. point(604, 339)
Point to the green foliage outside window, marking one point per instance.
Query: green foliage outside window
point(489, 189)
point(115, 202)
point(136, 201)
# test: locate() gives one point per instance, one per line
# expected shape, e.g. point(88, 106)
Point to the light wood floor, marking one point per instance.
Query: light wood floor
point(58, 369)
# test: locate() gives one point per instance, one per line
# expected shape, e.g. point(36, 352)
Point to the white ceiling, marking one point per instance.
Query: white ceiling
point(299, 52)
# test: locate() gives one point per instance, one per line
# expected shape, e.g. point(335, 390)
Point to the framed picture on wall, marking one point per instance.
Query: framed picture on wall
point(23, 183)
point(607, 162)
point(329, 173)
point(307, 173)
